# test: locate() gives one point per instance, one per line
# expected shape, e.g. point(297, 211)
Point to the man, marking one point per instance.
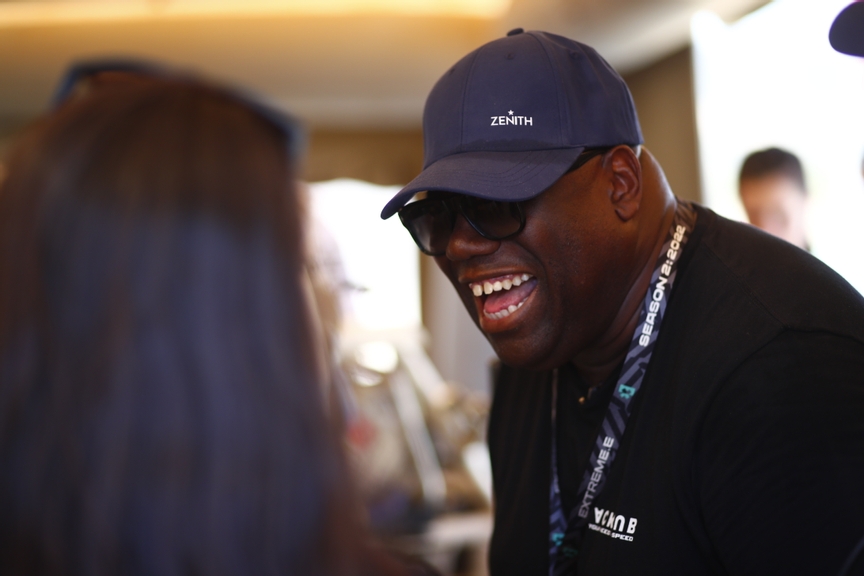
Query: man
point(679, 394)
point(771, 187)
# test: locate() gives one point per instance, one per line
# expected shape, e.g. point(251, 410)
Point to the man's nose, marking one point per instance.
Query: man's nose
point(465, 242)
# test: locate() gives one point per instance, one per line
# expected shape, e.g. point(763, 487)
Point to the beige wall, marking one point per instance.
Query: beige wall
point(380, 156)
point(663, 93)
point(664, 98)
point(10, 127)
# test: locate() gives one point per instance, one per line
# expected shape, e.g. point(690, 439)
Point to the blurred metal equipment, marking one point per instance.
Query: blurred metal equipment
point(416, 441)
point(419, 441)
point(418, 448)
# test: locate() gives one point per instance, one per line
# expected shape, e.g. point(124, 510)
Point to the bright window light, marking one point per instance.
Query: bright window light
point(772, 79)
point(380, 264)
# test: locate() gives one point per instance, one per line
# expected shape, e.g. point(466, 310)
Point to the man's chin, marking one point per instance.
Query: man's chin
point(523, 355)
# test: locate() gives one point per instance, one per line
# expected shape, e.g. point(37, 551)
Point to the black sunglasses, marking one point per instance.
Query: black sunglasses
point(431, 221)
point(79, 80)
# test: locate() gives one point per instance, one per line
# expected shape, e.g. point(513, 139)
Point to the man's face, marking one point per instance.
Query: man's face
point(776, 204)
point(568, 272)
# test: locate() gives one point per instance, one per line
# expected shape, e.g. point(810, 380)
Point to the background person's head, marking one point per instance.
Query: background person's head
point(772, 189)
point(160, 408)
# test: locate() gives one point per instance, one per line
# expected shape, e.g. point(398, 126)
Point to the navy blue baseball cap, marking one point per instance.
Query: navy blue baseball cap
point(847, 31)
point(509, 119)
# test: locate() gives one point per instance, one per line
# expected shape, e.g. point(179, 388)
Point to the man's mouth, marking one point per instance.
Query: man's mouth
point(503, 295)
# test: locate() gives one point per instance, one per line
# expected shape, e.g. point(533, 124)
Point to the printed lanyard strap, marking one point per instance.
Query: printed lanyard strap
point(565, 536)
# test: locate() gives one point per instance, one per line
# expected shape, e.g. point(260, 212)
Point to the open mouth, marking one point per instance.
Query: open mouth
point(503, 295)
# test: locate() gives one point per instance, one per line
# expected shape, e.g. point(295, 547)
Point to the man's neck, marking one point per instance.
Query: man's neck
point(596, 363)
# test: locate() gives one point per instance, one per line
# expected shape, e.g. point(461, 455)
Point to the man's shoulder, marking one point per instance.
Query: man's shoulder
point(744, 268)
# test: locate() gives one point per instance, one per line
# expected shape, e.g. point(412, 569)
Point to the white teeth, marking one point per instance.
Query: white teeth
point(506, 284)
point(504, 313)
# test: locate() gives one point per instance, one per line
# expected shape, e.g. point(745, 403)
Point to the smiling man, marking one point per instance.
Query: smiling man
point(678, 394)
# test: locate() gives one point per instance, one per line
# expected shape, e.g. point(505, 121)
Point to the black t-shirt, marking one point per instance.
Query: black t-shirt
point(745, 450)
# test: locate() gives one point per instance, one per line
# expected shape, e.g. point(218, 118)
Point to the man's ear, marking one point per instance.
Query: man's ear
point(625, 171)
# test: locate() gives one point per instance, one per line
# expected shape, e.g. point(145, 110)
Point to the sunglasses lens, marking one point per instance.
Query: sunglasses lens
point(495, 220)
point(430, 223)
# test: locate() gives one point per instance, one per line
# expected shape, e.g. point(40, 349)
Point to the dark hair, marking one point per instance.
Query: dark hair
point(160, 401)
point(771, 162)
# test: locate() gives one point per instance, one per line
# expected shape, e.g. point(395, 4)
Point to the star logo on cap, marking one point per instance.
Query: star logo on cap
point(510, 112)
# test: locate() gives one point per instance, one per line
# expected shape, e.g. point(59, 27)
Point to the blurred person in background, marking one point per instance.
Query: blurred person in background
point(161, 406)
point(772, 189)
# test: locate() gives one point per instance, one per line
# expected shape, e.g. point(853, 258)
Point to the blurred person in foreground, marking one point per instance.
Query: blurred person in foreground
point(161, 406)
point(678, 393)
point(772, 189)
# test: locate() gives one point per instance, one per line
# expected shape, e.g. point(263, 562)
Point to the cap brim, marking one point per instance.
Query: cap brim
point(847, 31)
point(505, 176)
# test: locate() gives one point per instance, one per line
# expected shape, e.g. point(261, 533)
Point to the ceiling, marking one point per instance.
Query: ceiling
point(336, 63)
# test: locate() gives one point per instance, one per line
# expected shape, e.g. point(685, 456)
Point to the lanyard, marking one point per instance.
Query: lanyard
point(565, 535)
